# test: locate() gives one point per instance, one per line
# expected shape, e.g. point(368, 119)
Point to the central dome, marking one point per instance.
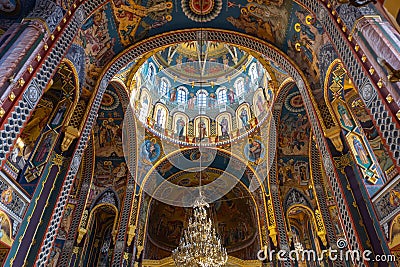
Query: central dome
point(207, 92)
point(202, 63)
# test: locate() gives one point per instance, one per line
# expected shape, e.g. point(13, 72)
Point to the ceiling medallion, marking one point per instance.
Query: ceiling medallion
point(202, 10)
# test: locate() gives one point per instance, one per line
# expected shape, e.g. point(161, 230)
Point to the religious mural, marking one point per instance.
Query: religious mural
point(131, 16)
point(234, 219)
point(97, 36)
point(110, 170)
point(267, 22)
point(224, 122)
point(254, 151)
point(304, 41)
point(5, 229)
point(294, 127)
point(181, 124)
point(43, 130)
point(108, 129)
point(150, 150)
point(358, 109)
point(13, 10)
point(342, 96)
point(174, 115)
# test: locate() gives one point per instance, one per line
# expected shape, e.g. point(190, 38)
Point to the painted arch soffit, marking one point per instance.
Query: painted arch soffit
point(118, 25)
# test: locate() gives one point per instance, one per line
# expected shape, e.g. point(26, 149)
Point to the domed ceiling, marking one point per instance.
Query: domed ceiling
point(202, 62)
point(205, 92)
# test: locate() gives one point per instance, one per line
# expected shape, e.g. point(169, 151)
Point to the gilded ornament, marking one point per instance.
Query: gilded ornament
point(350, 37)
point(52, 37)
point(58, 28)
point(71, 133)
point(131, 234)
point(344, 28)
point(21, 81)
point(126, 256)
point(338, 20)
point(30, 69)
point(371, 70)
point(333, 134)
point(38, 57)
point(372, 179)
point(82, 232)
point(46, 47)
point(356, 47)
point(398, 115)
point(75, 250)
point(2, 112)
point(11, 96)
point(380, 83)
point(389, 98)
point(364, 58)
point(58, 160)
point(342, 162)
point(297, 46)
point(64, 20)
point(309, 19)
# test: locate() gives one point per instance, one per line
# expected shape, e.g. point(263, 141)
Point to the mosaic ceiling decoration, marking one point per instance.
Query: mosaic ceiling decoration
point(234, 216)
point(118, 24)
point(214, 96)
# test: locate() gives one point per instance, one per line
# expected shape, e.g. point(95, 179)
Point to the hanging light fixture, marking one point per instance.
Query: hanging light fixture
point(200, 245)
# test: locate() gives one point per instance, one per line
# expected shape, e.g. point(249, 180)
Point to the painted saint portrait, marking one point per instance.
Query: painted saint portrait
point(180, 127)
point(254, 151)
point(150, 150)
point(5, 229)
point(360, 152)
point(224, 124)
point(345, 117)
point(244, 118)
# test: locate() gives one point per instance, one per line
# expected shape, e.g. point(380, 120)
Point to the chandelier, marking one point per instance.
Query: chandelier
point(200, 245)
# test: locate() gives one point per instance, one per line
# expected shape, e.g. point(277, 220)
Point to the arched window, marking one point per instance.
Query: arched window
point(222, 96)
point(182, 95)
point(239, 86)
point(202, 98)
point(164, 86)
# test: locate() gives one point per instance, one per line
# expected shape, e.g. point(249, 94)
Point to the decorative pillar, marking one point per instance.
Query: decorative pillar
point(71, 245)
point(33, 76)
point(338, 23)
point(140, 229)
point(278, 229)
point(377, 38)
point(27, 242)
point(320, 193)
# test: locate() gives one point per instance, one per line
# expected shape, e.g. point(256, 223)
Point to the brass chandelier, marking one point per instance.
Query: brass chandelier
point(200, 245)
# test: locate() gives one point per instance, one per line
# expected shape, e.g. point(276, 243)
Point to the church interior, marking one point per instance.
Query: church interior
point(199, 133)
